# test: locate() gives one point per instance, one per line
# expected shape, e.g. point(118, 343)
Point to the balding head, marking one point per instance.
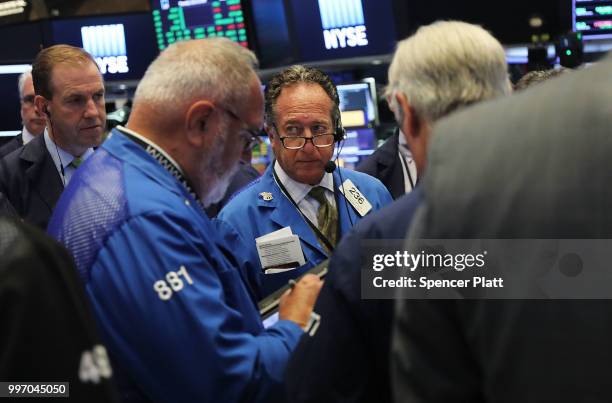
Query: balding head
point(199, 100)
point(214, 68)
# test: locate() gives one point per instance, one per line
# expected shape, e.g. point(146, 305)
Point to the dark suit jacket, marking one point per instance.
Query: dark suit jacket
point(47, 324)
point(6, 208)
point(30, 181)
point(385, 165)
point(533, 165)
point(11, 145)
point(347, 360)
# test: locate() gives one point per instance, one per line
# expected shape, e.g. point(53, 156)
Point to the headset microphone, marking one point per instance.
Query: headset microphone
point(330, 167)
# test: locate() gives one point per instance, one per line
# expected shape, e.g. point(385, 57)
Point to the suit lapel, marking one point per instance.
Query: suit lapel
point(42, 174)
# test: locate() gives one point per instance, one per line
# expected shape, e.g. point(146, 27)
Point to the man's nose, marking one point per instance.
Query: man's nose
point(91, 109)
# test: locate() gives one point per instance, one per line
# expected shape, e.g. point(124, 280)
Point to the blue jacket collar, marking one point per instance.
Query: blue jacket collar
point(131, 153)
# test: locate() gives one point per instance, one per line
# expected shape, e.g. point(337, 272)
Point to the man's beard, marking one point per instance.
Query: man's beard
point(220, 176)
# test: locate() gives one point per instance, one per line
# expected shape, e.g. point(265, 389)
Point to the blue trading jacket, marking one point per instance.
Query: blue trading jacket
point(178, 319)
point(249, 215)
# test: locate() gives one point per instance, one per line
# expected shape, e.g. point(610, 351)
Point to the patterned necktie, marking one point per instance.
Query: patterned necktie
point(76, 162)
point(327, 217)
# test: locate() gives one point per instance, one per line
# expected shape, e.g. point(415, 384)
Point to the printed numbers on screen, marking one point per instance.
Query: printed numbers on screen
point(172, 283)
point(355, 192)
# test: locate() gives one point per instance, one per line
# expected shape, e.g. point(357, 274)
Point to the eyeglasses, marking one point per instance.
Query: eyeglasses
point(321, 138)
point(28, 99)
point(249, 136)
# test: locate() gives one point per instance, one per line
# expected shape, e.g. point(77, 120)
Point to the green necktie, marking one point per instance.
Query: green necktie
point(327, 216)
point(76, 162)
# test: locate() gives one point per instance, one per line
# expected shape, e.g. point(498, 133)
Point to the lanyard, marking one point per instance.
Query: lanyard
point(316, 230)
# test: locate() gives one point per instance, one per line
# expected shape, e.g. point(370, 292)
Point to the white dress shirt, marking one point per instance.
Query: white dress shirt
point(62, 158)
point(299, 192)
point(26, 136)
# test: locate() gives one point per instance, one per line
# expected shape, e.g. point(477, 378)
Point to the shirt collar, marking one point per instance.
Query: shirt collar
point(297, 190)
point(403, 146)
point(26, 136)
point(61, 156)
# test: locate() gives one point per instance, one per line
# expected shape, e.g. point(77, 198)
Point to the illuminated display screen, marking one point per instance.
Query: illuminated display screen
point(358, 104)
point(330, 29)
point(593, 18)
point(359, 144)
point(179, 20)
point(122, 45)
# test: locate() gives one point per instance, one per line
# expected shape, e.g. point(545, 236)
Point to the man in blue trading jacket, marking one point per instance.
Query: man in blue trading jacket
point(299, 190)
point(354, 334)
point(178, 319)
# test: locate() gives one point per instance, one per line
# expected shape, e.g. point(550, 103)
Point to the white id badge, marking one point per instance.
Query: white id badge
point(355, 197)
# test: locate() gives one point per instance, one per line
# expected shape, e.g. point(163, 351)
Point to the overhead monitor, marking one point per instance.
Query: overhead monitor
point(333, 29)
point(178, 20)
point(511, 22)
point(123, 45)
point(592, 18)
point(358, 104)
point(272, 40)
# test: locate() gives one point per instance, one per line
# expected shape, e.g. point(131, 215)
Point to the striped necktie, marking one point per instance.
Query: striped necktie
point(76, 162)
point(327, 217)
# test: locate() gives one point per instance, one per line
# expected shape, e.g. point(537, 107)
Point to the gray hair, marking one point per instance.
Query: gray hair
point(447, 65)
point(538, 76)
point(215, 68)
point(21, 81)
point(299, 74)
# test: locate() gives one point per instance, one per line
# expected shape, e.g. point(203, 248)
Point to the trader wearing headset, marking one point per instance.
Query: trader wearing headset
point(302, 189)
point(70, 95)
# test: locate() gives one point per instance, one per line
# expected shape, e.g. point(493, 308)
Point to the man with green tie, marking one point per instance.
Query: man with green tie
point(301, 193)
point(70, 96)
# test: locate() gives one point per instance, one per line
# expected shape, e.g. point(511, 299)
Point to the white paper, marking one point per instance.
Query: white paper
point(279, 251)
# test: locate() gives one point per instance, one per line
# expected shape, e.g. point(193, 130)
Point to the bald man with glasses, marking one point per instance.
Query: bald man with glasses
point(302, 189)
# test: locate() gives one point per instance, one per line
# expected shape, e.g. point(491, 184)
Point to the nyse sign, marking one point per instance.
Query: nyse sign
point(345, 37)
point(106, 43)
point(113, 64)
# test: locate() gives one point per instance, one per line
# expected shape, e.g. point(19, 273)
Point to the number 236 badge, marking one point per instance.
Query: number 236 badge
point(355, 197)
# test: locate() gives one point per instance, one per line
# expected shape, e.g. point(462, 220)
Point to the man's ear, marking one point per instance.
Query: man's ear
point(198, 122)
point(40, 103)
point(410, 123)
point(269, 131)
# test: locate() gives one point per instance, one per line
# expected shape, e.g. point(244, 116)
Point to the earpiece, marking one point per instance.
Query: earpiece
point(339, 132)
point(46, 111)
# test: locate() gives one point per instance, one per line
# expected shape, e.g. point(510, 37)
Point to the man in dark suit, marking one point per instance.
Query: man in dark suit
point(33, 122)
point(347, 359)
point(70, 94)
point(534, 166)
point(393, 165)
